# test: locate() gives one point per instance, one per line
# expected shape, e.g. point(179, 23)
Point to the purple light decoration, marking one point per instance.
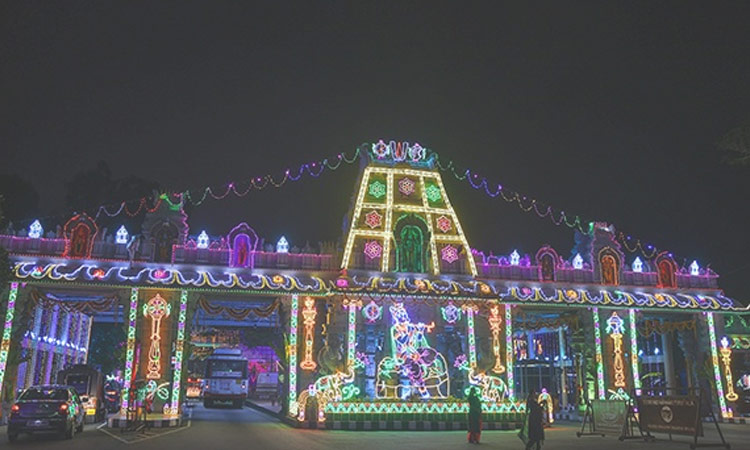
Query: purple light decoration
point(449, 254)
point(373, 250)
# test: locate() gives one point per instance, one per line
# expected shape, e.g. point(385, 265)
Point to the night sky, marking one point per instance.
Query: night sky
point(611, 112)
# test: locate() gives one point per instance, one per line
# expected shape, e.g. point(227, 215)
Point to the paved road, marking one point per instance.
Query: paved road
point(219, 429)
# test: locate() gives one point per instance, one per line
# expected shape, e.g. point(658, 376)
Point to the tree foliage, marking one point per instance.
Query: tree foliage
point(736, 145)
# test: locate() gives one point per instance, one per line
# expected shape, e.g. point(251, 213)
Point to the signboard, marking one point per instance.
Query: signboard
point(609, 416)
point(673, 414)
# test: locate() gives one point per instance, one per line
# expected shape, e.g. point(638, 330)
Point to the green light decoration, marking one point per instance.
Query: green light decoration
point(725, 413)
point(419, 407)
point(376, 189)
point(634, 351)
point(293, 356)
point(7, 330)
point(129, 352)
point(509, 351)
point(178, 354)
point(599, 358)
point(433, 193)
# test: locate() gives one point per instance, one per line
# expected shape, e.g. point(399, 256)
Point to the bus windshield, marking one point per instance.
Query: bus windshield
point(226, 368)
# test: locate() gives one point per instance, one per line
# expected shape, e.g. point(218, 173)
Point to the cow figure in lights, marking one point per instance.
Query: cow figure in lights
point(412, 359)
point(329, 388)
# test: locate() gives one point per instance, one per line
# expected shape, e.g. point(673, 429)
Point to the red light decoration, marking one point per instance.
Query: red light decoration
point(79, 233)
point(373, 219)
point(444, 224)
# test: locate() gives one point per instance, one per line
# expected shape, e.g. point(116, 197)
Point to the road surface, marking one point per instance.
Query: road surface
point(219, 429)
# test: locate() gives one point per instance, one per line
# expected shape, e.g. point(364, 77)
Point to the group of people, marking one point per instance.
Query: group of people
point(532, 431)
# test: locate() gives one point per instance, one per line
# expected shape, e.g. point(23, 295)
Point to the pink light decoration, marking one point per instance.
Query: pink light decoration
point(373, 249)
point(449, 254)
point(373, 219)
point(444, 224)
point(406, 186)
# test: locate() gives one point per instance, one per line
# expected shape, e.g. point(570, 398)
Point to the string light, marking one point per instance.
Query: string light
point(178, 354)
point(373, 250)
point(496, 321)
point(130, 351)
point(10, 310)
point(509, 351)
point(292, 352)
point(726, 358)
point(694, 269)
point(615, 329)
point(156, 309)
point(449, 254)
point(725, 413)
point(419, 407)
point(373, 219)
point(308, 319)
point(599, 358)
point(634, 351)
point(637, 265)
point(372, 312)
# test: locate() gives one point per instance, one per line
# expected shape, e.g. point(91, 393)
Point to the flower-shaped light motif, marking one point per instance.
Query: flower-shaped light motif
point(406, 186)
point(444, 224)
point(277, 279)
point(449, 254)
point(373, 219)
point(376, 189)
point(433, 193)
point(373, 249)
point(372, 312)
point(451, 313)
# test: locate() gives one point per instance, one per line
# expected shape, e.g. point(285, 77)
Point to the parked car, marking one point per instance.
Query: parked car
point(46, 409)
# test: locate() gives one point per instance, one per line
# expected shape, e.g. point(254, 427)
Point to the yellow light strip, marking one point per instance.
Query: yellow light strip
point(387, 237)
point(433, 245)
point(355, 217)
point(457, 224)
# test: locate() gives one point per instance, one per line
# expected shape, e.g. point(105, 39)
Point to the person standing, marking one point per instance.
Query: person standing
point(475, 416)
point(535, 427)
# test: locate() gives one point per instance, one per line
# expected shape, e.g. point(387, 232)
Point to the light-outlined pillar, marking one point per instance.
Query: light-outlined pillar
point(130, 351)
point(10, 312)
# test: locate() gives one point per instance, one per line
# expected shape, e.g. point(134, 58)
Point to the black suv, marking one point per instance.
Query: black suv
point(44, 409)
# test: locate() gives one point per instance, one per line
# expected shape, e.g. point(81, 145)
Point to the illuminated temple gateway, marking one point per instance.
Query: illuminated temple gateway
point(396, 322)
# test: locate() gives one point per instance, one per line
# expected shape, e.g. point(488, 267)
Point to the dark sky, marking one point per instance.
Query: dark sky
point(608, 111)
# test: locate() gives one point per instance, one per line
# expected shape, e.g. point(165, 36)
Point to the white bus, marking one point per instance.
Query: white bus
point(226, 378)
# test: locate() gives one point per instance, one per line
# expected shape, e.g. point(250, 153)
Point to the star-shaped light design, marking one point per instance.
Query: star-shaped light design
point(373, 219)
point(406, 186)
point(377, 189)
point(444, 224)
point(449, 254)
point(373, 249)
point(433, 193)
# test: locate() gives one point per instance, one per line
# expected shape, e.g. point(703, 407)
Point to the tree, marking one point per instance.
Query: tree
point(91, 188)
point(736, 145)
point(21, 199)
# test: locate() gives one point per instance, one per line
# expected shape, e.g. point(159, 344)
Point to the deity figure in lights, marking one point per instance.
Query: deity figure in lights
point(726, 358)
point(413, 359)
point(121, 237)
point(202, 240)
point(282, 246)
point(156, 309)
point(308, 319)
point(496, 322)
point(35, 230)
point(615, 329)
